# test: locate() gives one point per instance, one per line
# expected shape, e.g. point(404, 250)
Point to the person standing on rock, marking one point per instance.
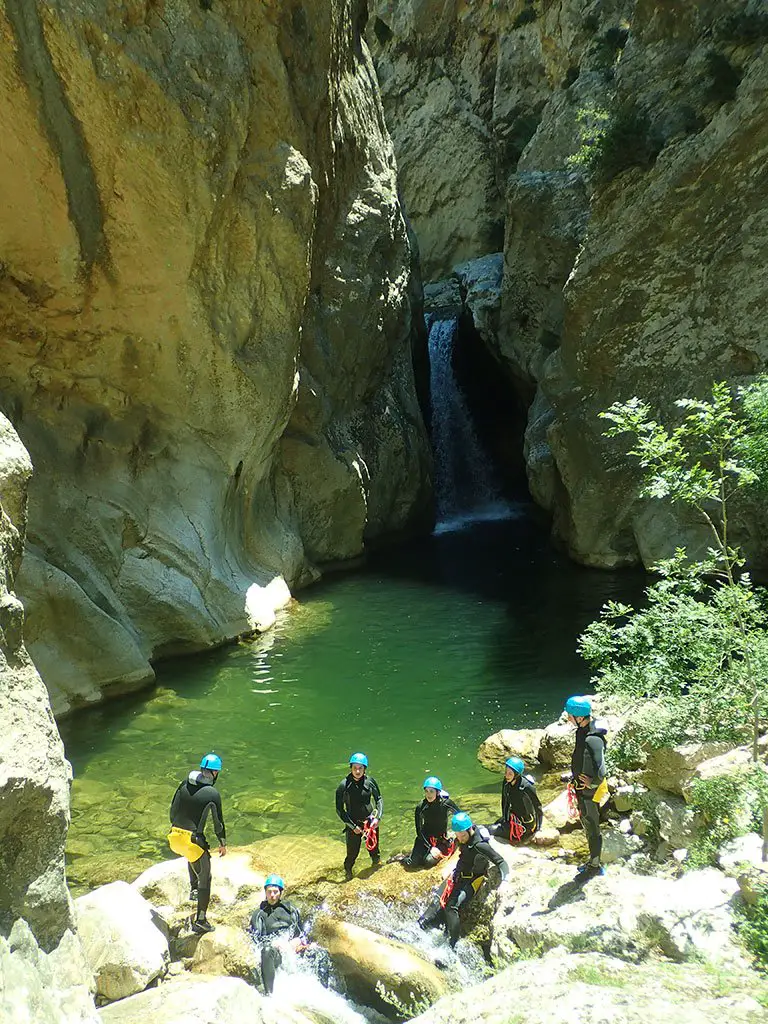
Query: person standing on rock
point(194, 800)
point(588, 776)
point(276, 926)
point(471, 868)
point(360, 807)
point(521, 811)
point(432, 816)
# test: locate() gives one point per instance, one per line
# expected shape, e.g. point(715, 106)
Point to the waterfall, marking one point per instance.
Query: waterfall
point(465, 485)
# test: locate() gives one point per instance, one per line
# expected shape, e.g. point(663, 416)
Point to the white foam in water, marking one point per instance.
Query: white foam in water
point(297, 987)
point(465, 488)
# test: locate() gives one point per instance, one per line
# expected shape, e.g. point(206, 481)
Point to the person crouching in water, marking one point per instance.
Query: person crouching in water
point(194, 800)
point(471, 868)
point(432, 816)
point(521, 811)
point(360, 807)
point(276, 926)
point(588, 776)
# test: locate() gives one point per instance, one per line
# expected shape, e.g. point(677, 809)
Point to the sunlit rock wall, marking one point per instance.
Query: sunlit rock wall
point(205, 320)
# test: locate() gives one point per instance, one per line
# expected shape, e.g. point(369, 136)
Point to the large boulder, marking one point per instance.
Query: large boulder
point(226, 951)
point(743, 853)
point(369, 963)
point(495, 750)
point(44, 988)
point(673, 768)
point(212, 1000)
point(679, 825)
point(620, 914)
point(122, 944)
point(729, 763)
point(589, 987)
point(556, 745)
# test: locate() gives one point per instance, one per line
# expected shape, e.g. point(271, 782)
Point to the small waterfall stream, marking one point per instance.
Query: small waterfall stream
point(465, 486)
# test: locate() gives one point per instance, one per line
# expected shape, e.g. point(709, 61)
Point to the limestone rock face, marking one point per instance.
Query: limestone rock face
point(524, 743)
point(620, 914)
point(206, 305)
point(213, 1000)
point(123, 947)
point(34, 776)
point(639, 275)
point(673, 768)
point(601, 988)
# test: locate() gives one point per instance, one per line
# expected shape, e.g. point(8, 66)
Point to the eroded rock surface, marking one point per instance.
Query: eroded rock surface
point(206, 305)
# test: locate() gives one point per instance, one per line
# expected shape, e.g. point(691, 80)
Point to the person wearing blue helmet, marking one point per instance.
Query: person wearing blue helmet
point(432, 819)
point(588, 775)
point(193, 802)
point(276, 926)
point(360, 806)
point(475, 859)
point(521, 811)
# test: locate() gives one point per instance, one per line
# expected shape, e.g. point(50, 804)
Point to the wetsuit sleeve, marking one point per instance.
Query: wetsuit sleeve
point(340, 808)
point(529, 803)
point(296, 921)
point(417, 821)
point(594, 749)
point(538, 811)
point(376, 793)
point(487, 851)
point(257, 924)
point(174, 810)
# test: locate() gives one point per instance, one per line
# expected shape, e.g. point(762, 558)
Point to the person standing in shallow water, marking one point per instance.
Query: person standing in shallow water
point(276, 925)
point(588, 776)
point(193, 802)
point(360, 806)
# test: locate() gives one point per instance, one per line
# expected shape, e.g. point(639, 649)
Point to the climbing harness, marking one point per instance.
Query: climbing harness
point(573, 803)
point(447, 848)
point(371, 834)
point(447, 890)
point(516, 829)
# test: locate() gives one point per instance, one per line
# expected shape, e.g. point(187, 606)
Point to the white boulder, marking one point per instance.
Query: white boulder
point(208, 1000)
point(123, 947)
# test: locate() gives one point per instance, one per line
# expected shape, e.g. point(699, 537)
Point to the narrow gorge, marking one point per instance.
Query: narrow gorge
point(289, 288)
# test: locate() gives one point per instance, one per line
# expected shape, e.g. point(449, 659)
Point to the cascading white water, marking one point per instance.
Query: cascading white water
point(465, 487)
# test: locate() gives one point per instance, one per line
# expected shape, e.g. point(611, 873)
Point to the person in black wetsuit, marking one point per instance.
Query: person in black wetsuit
point(521, 811)
point(360, 807)
point(274, 924)
point(193, 802)
point(432, 816)
point(471, 868)
point(588, 775)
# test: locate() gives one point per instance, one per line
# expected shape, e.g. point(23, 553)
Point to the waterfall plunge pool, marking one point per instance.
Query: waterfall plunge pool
point(415, 660)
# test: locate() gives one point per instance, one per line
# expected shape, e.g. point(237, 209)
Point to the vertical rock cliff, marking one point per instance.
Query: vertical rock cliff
point(623, 148)
point(205, 318)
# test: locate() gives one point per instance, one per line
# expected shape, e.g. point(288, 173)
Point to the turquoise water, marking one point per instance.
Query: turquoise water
point(414, 660)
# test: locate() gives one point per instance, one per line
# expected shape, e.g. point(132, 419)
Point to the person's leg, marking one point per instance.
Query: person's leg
point(270, 961)
point(417, 854)
point(353, 849)
point(375, 855)
point(590, 820)
point(433, 916)
point(499, 828)
point(193, 882)
point(203, 872)
point(452, 922)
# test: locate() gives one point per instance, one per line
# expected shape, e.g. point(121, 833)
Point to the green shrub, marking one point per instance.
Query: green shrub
point(612, 142)
point(721, 802)
point(752, 927)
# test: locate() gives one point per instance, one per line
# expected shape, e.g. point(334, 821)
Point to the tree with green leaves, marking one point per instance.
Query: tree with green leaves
point(699, 646)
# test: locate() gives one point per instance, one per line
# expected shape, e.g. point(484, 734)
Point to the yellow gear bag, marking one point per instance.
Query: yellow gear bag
point(601, 793)
point(180, 841)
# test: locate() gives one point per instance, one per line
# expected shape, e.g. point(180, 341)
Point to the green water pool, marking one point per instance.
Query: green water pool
point(414, 660)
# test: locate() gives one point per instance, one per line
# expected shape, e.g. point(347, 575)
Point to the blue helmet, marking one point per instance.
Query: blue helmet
point(579, 707)
point(275, 880)
point(517, 764)
point(432, 782)
point(212, 762)
point(358, 759)
point(461, 822)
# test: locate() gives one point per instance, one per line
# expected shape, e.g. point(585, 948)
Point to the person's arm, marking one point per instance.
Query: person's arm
point(296, 921)
point(417, 823)
point(487, 851)
point(340, 808)
point(173, 811)
point(257, 924)
point(596, 748)
point(376, 792)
